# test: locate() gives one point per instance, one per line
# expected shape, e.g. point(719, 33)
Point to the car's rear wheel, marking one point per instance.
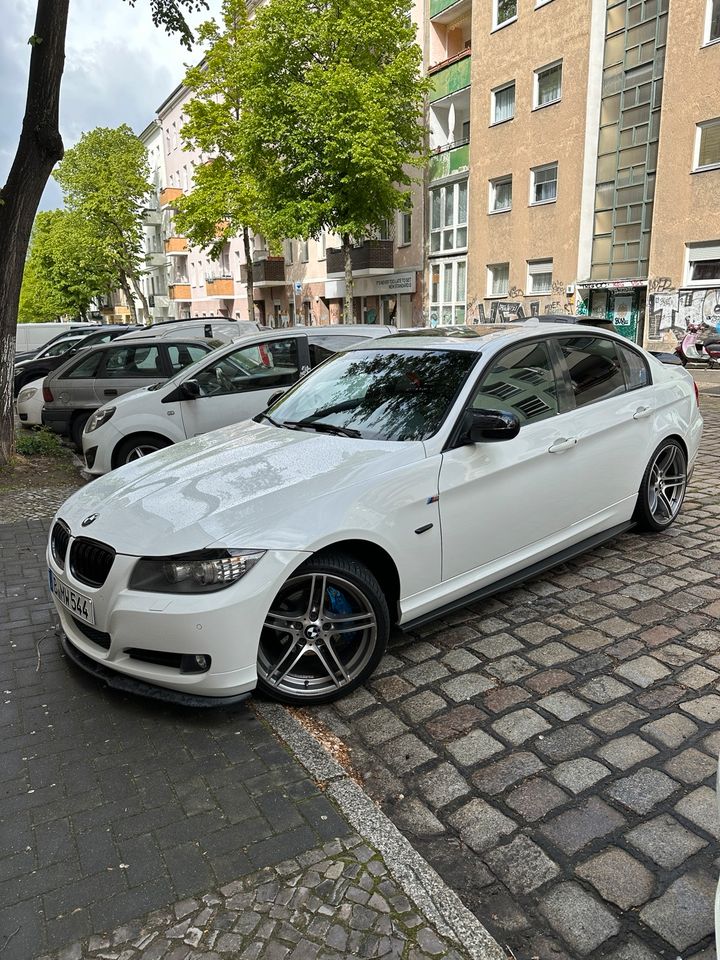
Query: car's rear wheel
point(139, 446)
point(325, 632)
point(663, 487)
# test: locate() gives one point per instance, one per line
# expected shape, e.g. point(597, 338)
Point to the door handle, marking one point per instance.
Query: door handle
point(642, 412)
point(560, 446)
point(110, 393)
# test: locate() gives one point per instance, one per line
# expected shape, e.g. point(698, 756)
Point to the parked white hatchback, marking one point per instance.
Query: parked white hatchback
point(29, 404)
point(404, 477)
point(235, 383)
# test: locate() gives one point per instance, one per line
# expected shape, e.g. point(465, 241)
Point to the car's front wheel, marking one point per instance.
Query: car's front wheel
point(663, 486)
point(325, 632)
point(139, 446)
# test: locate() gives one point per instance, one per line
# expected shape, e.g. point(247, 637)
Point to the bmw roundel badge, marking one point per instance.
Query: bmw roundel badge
point(88, 520)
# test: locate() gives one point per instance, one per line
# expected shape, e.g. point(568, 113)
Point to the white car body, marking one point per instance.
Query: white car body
point(558, 484)
point(166, 413)
point(29, 404)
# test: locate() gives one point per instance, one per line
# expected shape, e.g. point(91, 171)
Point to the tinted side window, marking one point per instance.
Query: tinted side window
point(637, 373)
point(595, 369)
point(85, 368)
point(262, 366)
point(521, 381)
point(130, 362)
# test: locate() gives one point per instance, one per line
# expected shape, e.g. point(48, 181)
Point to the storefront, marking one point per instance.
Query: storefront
point(380, 299)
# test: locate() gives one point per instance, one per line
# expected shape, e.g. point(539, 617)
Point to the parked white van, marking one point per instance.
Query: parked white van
point(233, 383)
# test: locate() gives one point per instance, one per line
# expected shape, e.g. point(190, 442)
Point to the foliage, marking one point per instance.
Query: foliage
point(332, 111)
point(40, 302)
point(41, 443)
point(169, 14)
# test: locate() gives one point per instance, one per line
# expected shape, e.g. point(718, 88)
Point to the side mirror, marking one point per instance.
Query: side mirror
point(274, 397)
point(490, 426)
point(190, 389)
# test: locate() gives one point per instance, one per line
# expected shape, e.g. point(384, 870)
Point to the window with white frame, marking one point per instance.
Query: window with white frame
point(712, 23)
point(304, 251)
point(498, 279)
point(707, 144)
point(543, 183)
point(448, 217)
point(548, 85)
point(405, 229)
point(539, 276)
point(503, 12)
point(288, 251)
point(502, 105)
point(174, 136)
point(703, 263)
point(501, 194)
point(321, 246)
point(448, 280)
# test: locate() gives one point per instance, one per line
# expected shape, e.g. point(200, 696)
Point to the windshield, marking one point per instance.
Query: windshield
point(377, 394)
point(59, 347)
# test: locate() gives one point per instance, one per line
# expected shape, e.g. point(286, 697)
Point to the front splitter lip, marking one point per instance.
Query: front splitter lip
point(120, 681)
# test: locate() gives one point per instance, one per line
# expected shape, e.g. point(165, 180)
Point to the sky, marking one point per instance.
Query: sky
point(118, 69)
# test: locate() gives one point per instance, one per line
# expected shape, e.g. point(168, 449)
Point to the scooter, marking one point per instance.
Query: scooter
point(691, 348)
point(711, 346)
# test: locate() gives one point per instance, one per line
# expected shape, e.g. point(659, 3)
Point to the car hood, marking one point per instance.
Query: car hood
point(241, 486)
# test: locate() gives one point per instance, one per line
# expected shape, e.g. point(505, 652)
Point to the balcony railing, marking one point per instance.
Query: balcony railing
point(454, 159)
point(180, 291)
point(437, 67)
point(176, 245)
point(266, 273)
point(219, 287)
point(371, 255)
point(451, 77)
point(169, 195)
point(438, 6)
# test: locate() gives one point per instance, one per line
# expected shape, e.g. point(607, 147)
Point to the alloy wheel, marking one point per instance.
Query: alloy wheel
point(666, 484)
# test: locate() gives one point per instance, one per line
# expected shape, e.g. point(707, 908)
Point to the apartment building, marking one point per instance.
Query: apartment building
point(576, 161)
point(154, 281)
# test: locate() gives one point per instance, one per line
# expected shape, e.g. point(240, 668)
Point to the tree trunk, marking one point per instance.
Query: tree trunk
point(141, 296)
point(125, 286)
point(39, 149)
point(348, 303)
point(250, 282)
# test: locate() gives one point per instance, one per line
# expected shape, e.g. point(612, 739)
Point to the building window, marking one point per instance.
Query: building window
point(707, 145)
point(405, 229)
point(448, 217)
point(502, 107)
point(174, 136)
point(383, 231)
point(498, 279)
point(321, 246)
point(447, 291)
point(539, 276)
point(703, 263)
point(288, 251)
point(504, 11)
point(712, 26)
point(548, 84)
point(501, 194)
point(304, 251)
point(543, 184)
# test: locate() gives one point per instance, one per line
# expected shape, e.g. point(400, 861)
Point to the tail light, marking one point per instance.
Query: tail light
point(47, 395)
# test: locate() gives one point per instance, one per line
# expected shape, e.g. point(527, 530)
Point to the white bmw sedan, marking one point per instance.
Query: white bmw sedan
point(400, 479)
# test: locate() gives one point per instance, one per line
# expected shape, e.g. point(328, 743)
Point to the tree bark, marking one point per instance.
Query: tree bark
point(125, 286)
point(348, 302)
point(250, 281)
point(39, 149)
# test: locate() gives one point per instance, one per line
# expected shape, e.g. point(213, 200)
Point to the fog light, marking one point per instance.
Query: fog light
point(195, 663)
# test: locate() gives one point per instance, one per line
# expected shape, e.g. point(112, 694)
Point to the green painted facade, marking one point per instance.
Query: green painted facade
point(451, 161)
point(454, 77)
point(437, 6)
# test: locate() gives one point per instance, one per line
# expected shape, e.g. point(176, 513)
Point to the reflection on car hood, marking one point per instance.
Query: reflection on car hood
point(243, 486)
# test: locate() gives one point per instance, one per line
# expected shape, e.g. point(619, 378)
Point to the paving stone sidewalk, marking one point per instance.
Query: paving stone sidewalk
point(552, 751)
point(113, 806)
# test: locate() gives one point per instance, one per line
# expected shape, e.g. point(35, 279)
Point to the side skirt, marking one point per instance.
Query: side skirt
point(520, 576)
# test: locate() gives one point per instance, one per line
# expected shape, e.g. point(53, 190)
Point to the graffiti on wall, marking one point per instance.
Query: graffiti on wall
point(670, 309)
point(518, 306)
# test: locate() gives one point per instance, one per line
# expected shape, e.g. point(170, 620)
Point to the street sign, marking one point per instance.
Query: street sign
point(298, 286)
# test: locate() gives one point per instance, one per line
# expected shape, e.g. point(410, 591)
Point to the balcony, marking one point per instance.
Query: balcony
point(369, 258)
point(266, 273)
point(155, 258)
point(441, 10)
point(452, 158)
point(450, 76)
point(152, 217)
point(176, 245)
point(180, 291)
point(168, 196)
point(220, 287)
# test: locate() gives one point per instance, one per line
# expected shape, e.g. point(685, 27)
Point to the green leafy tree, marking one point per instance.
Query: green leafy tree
point(39, 148)
point(225, 200)
point(105, 182)
point(331, 123)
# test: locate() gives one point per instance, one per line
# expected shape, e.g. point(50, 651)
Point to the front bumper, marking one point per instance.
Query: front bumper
point(102, 441)
point(225, 626)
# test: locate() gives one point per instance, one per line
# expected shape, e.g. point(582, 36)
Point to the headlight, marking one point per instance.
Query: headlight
point(27, 393)
point(100, 417)
point(201, 572)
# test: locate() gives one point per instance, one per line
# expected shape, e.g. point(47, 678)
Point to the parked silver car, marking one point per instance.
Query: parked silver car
point(73, 392)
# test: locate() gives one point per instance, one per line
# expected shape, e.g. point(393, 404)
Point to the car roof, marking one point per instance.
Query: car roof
point(148, 342)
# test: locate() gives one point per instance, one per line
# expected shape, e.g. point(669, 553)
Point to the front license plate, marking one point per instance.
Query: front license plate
point(80, 606)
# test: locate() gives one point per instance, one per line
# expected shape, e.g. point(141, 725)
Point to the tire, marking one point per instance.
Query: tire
point(662, 489)
point(300, 659)
point(137, 446)
point(77, 427)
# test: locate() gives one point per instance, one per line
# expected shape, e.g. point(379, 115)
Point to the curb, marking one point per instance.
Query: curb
point(420, 882)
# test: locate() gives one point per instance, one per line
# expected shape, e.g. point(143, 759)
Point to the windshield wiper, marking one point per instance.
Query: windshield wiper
point(310, 424)
point(266, 416)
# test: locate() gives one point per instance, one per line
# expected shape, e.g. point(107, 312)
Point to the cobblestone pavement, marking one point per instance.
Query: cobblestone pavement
point(552, 751)
point(111, 807)
point(33, 503)
point(330, 903)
